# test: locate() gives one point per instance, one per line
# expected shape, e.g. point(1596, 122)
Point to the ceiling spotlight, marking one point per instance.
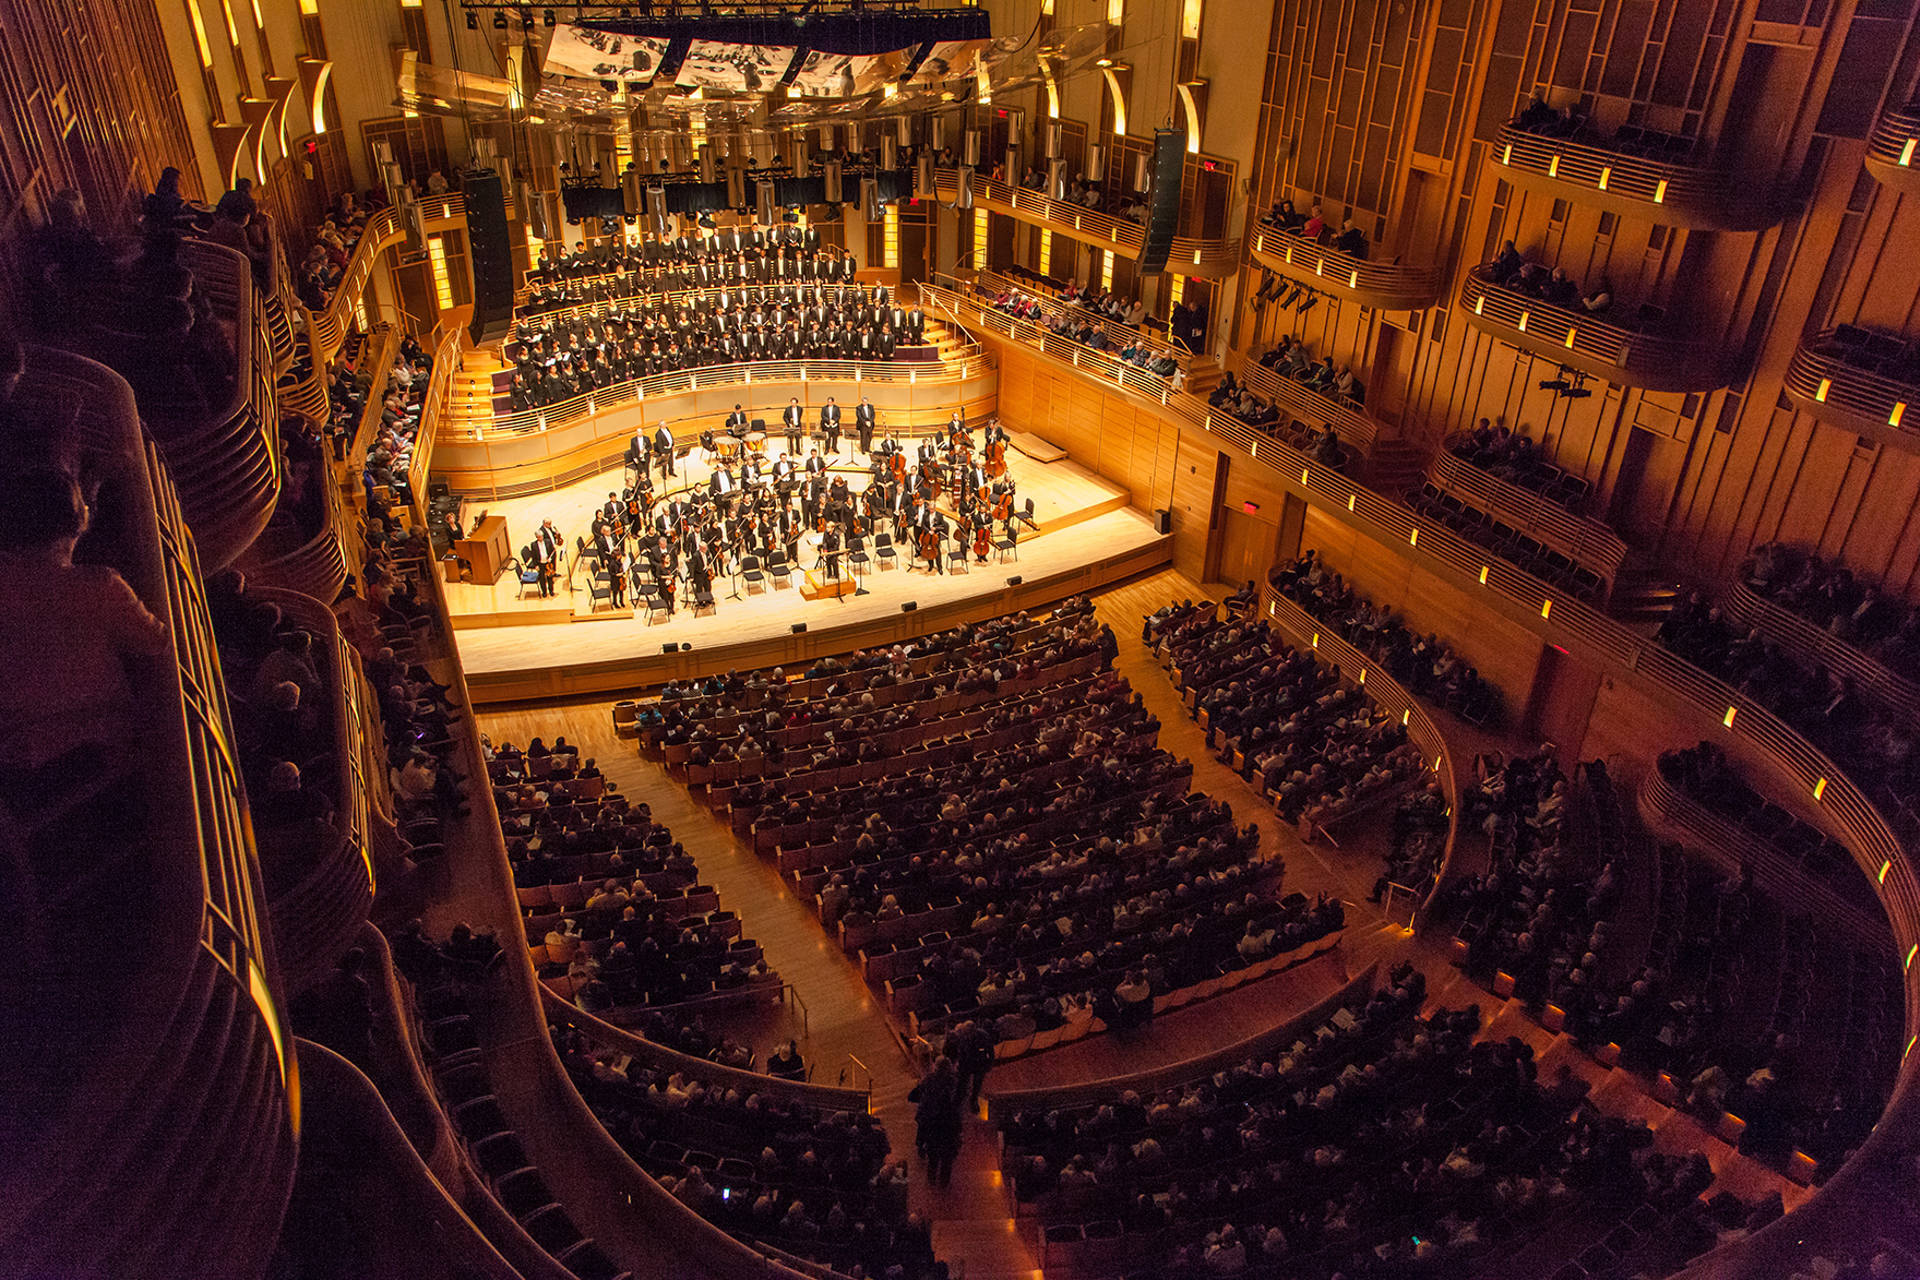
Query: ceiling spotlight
point(526, 19)
point(473, 20)
point(547, 17)
point(499, 19)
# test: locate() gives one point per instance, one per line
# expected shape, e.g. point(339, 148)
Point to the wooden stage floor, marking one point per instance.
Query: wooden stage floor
point(516, 647)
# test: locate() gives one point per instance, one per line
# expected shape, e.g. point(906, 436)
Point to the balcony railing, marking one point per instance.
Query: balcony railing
point(1305, 631)
point(196, 1163)
point(987, 285)
point(1836, 376)
point(1890, 688)
point(1674, 193)
point(1586, 541)
point(1893, 149)
point(1389, 286)
point(833, 252)
point(1580, 341)
point(1315, 408)
point(1187, 257)
point(324, 903)
point(329, 325)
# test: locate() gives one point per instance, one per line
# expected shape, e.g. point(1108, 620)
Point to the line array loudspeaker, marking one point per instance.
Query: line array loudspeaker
point(489, 257)
point(1163, 198)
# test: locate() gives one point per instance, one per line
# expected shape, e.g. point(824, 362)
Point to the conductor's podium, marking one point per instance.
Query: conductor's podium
point(818, 586)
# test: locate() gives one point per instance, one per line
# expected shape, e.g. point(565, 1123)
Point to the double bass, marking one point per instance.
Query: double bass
point(996, 457)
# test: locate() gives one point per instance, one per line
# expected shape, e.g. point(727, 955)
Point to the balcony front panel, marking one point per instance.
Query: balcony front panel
point(1893, 149)
point(1389, 286)
point(1663, 191)
point(1348, 420)
point(1207, 259)
point(1625, 357)
point(1828, 381)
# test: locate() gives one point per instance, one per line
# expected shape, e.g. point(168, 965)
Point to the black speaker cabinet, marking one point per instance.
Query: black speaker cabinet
point(490, 256)
point(1163, 198)
point(1162, 520)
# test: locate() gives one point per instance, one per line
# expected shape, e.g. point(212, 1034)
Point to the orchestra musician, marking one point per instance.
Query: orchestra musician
point(863, 421)
point(737, 422)
point(794, 419)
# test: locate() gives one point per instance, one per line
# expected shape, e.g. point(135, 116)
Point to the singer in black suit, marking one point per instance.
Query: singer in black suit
point(663, 449)
point(863, 419)
point(830, 425)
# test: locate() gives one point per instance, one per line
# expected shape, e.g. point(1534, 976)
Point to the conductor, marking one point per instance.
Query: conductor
point(793, 417)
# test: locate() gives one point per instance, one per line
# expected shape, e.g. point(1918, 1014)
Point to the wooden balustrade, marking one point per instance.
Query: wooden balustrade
point(1894, 147)
point(1304, 631)
point(317, 915)
point(328, 327)
point(1302, 403)
point(1837, 383)
point(1209, 259)
point(446, 361)
point(1878, 682)
point(1674, 193)
point(1586, 541)
point(1388, 285)
point(314, 564)
point(1627, 357)
point(1733, 849)
point(144, 860)
point(986, 285)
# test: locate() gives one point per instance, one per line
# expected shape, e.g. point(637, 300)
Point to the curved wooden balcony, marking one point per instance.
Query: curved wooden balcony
point(353, 1148)
point(1869, 1182)
point(984, 286)
point(1305, 631)
point(541, 449)
point(1207, 259)
point(1872, 678)
point(329, 326)
point(1733, 848)
point(304, 391)
point(317, 907)
point(1893, 149)
point(1388, 286)
point(310, 560)
point(193, 1166)
point(1315, 408)
point(1674, 193)
point(1587, 542)
point(1835, 376)
point(1625, 357)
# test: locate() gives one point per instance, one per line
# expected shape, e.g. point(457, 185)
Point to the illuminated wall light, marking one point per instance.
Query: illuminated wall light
point(1524, 317)
point(233, 29)
point(1910, 954)
point(1553, 167)
point(1727, 719)
point(1116, 12)
point(1820, 394)
point(1190, 20)
point(308, 8)
point(200, 35)
point(1819, 787)
point(1106, 276)
point(259, 23)
point(1899, 412)
point(1906, 153)
point(1046, 251)
point(1506, 154)
point(1113, 87)
point(1053, 90)
point(1483, 575)
point(1479, 304)
point(1316, 639)
point(442, 282)
point(1350, 499)
point(1304, 473)
point(1046, 8)
point(1320, 267)
point(1406, 715)
point(1660, 192)
point(1363, 675)
point(1177, 292)
point(980, 238)
point(1884, 868)
point(1546, 607)
point(1353, 278)
point(1571, 331)
point(890, 236)
point(1606, 176)
point(1413, 536)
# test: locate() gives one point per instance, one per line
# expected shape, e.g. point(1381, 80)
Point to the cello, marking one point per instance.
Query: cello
point(930, 547)
point(996, 457)
point(982, 541)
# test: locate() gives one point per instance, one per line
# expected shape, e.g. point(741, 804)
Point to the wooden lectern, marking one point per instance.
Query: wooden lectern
point(486, 548)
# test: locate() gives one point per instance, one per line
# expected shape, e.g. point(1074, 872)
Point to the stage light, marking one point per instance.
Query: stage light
point(473, 20)
point(526, 19)
point(1554, 384)
point(499, 19)
point(547, 17)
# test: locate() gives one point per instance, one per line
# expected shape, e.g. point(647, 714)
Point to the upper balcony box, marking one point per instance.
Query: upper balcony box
point(1893, 149)
point(1389, 286)
point(1860, 380)
point(1633, 178)
point(1624, 357)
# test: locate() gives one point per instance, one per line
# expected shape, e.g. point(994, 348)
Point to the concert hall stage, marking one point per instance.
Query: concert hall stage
point(519, 646)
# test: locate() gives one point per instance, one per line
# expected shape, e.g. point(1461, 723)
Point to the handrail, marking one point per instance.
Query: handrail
point(1654, 361)
point(1894, 145)
point(446, 359)
point(1111, 368)
point(1821, 381)
point(328, 326)
point(1883, 684)
point(1734, 850)
point(707, 377)
point(833, 252)
point(1187, 256)
point(675, 298)
point(1673, 192)
point(381, 346)
point(1302, 402)
point(1118, 332)
point(316, 918)
point(1591, 543)
point(1389, 695)
point(1387, 285)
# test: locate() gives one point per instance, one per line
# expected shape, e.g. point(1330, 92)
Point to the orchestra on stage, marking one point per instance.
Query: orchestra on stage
point(929, 500)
